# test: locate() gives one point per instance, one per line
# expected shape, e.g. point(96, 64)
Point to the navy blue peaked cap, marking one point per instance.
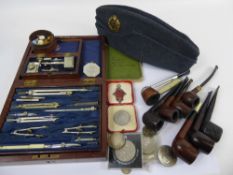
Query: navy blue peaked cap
point(146, 37)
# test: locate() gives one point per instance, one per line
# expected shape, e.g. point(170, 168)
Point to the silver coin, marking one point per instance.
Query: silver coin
point(121, 117)
point(126, 170)
point(148, 132)
point(126, 153)
point(166, 156)
point(148, 158)
point(149, 145)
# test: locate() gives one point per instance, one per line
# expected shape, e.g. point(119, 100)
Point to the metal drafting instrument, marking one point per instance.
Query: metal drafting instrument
point(49, 118)
point(85, 139)
point(39, 146)
point(72, 110)
point(28, 132)
point(38, 105)
point(47, 92)
point(23, 114)
point(91, 103)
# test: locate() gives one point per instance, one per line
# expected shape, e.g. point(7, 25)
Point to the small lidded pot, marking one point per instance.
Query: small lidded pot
point(42, 41)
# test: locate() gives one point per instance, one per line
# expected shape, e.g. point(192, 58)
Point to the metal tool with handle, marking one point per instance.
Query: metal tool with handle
point(38, 105)
point(27, 132)
point(37, 119)
point(39, 146)
point(51, 92)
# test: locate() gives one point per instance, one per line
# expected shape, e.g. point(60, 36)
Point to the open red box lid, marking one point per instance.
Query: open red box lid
point(121, 111)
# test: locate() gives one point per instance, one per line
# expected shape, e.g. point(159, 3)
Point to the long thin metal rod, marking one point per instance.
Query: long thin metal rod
point(160, 83)
point(38, 146)
point(92, 108)
point(34, 92)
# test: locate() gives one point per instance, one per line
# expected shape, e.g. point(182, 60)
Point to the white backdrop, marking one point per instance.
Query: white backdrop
point(207, 22)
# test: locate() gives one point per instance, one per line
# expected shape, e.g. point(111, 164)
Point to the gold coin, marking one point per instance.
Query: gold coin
point(126, 170)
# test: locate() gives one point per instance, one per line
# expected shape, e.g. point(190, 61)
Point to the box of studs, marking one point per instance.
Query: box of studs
point(55, 107)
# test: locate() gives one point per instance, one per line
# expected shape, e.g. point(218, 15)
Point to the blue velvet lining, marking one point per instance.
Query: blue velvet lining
point(91, 52)
point(53, 134)
point(67, 46)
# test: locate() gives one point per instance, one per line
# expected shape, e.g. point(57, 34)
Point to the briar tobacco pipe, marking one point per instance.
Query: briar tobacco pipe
point(196, 136)
point(190, 98)
point(181, 145)
point(151, 118)
point(151, 94)
point(208, 128)
point(179, 105)
point(171, 113)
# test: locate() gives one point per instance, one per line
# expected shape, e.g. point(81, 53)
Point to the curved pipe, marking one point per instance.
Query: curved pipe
point(190, 98)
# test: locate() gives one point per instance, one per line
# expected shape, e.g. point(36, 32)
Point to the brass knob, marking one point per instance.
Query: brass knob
point(114, 23)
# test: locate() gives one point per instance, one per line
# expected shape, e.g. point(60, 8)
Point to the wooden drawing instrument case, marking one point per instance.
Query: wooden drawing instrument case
point(72, 104)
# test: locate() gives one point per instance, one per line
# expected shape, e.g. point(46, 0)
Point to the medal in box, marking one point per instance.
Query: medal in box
point(121, 111)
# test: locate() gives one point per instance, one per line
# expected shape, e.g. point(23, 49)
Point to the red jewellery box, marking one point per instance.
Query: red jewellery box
point(56, 107)
point(121, 111)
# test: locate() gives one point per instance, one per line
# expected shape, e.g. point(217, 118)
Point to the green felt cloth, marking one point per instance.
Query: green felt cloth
point(120, 66)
